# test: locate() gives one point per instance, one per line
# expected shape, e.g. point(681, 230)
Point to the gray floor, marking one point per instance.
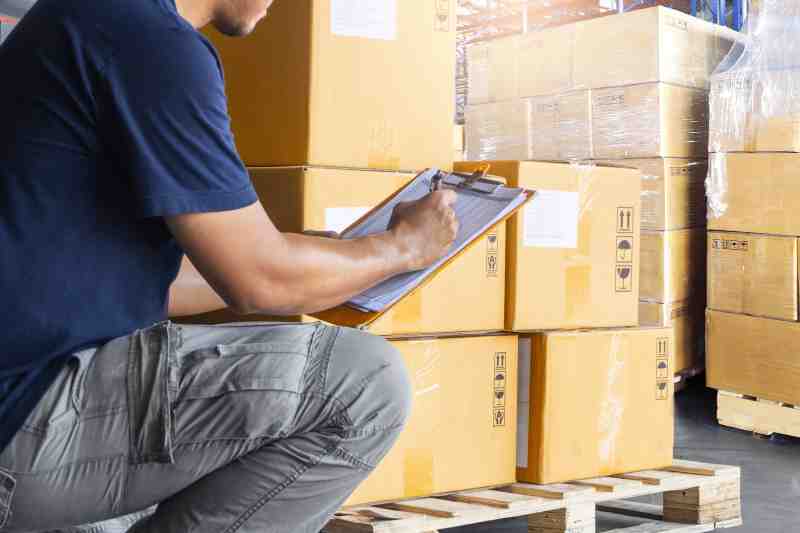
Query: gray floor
point(770, 468)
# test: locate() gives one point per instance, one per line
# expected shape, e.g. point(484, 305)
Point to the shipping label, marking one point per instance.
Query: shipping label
point(551, 219)
point(369, 19)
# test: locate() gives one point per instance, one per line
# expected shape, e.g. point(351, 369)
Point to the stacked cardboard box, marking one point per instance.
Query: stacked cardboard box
point(752, 321)
point(335, 107)
point(639, 99)
point(573, 295)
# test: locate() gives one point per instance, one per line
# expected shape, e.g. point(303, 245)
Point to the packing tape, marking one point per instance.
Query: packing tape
point(418, 472)
point(405, 317)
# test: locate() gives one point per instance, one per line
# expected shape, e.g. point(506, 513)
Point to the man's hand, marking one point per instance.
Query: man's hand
point(425, 228)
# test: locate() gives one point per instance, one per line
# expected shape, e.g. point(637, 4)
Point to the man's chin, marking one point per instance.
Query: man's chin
point(236, 30)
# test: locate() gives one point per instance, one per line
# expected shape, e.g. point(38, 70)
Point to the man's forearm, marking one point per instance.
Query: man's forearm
point(190, 293)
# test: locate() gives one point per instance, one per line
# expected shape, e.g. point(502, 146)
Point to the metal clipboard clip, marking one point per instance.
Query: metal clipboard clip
point(475, 182)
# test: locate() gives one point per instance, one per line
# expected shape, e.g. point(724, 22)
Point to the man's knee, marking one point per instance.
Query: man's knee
point(378, 394)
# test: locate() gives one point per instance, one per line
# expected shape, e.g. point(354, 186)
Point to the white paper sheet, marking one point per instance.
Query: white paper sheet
point(339, 219)
point(552, 220)
point(475, 211)
point(369, 19)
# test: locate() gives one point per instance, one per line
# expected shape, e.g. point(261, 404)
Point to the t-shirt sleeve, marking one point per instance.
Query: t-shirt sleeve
point(169, 128)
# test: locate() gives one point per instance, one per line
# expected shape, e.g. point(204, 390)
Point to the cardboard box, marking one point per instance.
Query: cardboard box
point(307, 198)
point(753, 274)
point(546, 60)
point(673, 192)
point(754, 356)
point(492, 68)
point(754, 111)
point(594, 403)
point(573, 252)
point(328, 83)
point(462, 430)
point(498, 131)
point(673, 265)
point(762, 192)
point(687, 319)
point(560, 127)
point(649, 45)
point(649, 120)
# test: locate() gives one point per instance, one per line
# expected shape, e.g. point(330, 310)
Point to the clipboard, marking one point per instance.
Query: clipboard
point(478, 182)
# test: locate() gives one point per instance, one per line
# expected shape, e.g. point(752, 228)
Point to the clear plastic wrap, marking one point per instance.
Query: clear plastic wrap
point(482, 20)
point(620, 87)
point(755, 94)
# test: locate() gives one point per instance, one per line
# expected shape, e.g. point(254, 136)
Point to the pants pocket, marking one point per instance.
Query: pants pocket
point(248, 390)
point(7, 486)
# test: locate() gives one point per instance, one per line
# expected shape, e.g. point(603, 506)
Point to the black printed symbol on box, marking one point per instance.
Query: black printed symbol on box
point(625, 249)
point(499, 398)
point(499, 380)
point(662, 390)
point(662, 346)
point(500, 360)
point(442, 21)
point(624, 278)
point(499, 418)
point(492, 243)
point(662, 368)
point(491, 265)
point(624, 220)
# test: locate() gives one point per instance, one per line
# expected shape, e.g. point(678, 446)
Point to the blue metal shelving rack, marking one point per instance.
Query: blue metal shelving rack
point(719, 11)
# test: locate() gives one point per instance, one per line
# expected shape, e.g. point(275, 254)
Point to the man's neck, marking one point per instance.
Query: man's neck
point(198, 13)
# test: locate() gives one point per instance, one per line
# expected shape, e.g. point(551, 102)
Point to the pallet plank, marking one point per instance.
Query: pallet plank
point(492, 498)
point(763, 417)
point(701, 469)
point(665, 527)
point(609, 484)
point(652, 477)
point(556, 491)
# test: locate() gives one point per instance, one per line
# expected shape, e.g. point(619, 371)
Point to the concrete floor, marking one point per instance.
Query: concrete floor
point(770, 468)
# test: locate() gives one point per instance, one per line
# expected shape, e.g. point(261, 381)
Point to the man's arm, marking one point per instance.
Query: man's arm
point(256, 269)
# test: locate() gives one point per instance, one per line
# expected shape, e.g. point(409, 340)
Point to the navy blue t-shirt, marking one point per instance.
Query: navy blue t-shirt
point(113, 116)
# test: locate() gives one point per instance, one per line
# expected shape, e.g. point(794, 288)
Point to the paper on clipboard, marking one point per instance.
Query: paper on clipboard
point(477, 209)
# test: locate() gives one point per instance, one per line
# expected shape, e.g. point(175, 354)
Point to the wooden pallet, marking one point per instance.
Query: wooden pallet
point(762, 417)
point(697, 497)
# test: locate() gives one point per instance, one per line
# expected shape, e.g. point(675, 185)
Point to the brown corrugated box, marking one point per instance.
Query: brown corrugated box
point(763, 192)
point(673, 265)
point(648, 45)
point(753, 274)
point(687, 319)
point(594, 403)
point(649, 120)
point(673, 192)
point(741, 122)
point(546, 61)
point(753, 355)
point(311, 198)
point(462, 430)
point(573, 256)
point(354, 88)
point(498, 130)
point(560, 127)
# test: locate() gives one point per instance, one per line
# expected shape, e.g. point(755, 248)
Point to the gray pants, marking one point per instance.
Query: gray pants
point(238, 428)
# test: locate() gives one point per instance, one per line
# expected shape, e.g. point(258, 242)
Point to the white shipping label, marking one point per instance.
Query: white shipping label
point(551, 220)
point(371, 19)
point(339, 219)
point(523, 401)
